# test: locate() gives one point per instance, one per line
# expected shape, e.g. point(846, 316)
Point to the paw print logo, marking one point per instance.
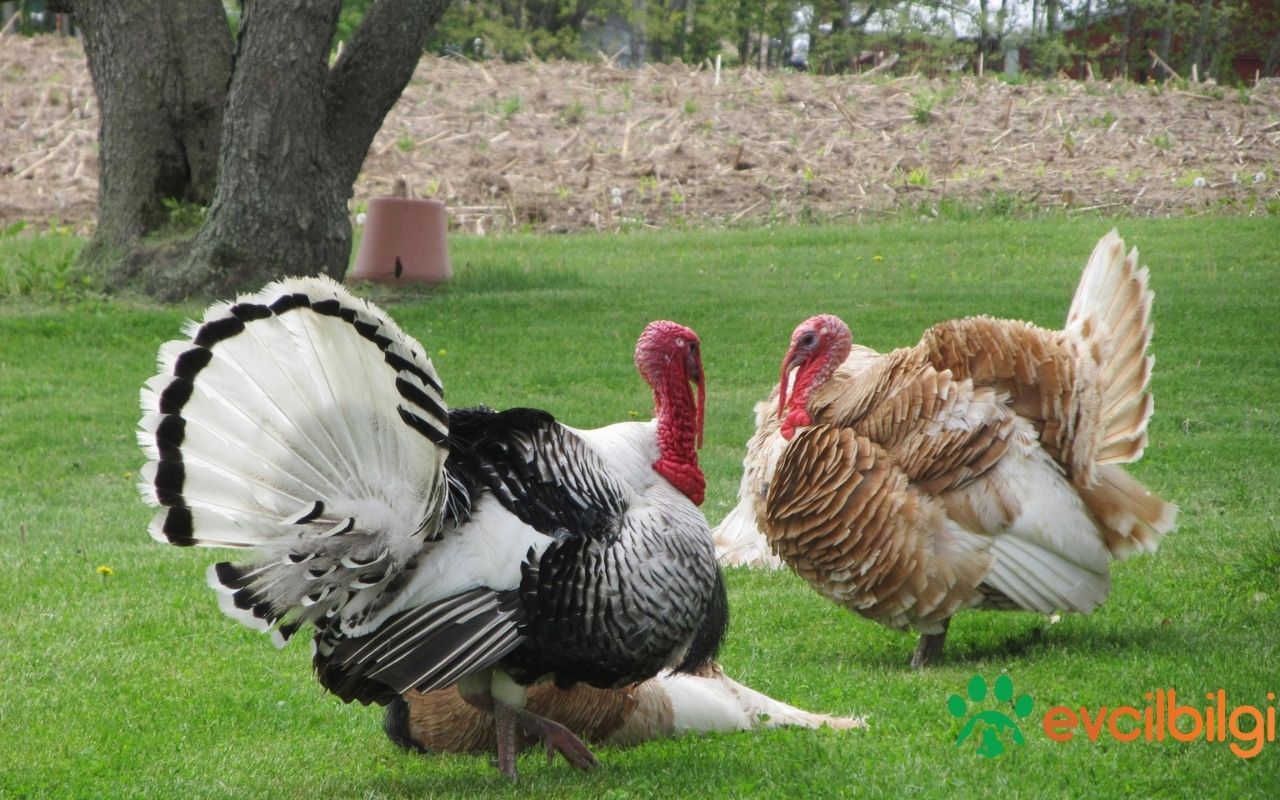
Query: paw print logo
point(994, 724)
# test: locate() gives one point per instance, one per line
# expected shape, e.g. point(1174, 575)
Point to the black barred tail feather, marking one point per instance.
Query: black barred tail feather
point(303, 423)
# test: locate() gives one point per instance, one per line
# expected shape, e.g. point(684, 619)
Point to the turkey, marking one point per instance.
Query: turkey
point(428, 547)
point(980, 468)
point(671, 704)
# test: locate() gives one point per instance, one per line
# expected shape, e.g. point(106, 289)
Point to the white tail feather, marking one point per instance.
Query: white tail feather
point(302, 422)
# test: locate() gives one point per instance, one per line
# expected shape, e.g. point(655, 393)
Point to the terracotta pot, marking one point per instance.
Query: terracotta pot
point(404, 242)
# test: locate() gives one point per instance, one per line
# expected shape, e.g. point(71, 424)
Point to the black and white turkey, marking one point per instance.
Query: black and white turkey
point(427, 547)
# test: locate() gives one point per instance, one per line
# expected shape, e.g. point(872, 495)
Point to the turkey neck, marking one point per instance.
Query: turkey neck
point(678, 437)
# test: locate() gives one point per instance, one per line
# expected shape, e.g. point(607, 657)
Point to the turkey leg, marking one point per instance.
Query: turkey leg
point(555, 737)
point(929, 650)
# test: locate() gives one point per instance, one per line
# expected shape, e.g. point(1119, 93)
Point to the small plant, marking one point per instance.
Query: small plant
point(574, 112)
point(1105, 121)
point(918, 177)
point(1193, 178)
point(645, 185)
point(183, 215)
point(922, 110)
point(690, 107)
point(511, 106)
point(40, 263)
point(676, 197)
point(405, 143)
point(1161, 141)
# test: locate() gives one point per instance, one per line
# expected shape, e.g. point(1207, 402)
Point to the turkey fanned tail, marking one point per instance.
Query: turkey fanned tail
point(302, 423)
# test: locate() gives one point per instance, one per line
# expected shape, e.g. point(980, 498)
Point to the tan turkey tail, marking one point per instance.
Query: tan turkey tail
point(1134, 518)
point(739, 541)
point(1111, 314)
point(738, 538)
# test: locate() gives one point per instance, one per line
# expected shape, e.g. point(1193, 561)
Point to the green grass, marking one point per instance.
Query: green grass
point(133, 685)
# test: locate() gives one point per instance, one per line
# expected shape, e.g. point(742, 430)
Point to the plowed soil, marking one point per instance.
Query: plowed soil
point(569, 147)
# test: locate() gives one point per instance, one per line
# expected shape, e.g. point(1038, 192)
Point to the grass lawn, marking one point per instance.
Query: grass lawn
point(133, 684)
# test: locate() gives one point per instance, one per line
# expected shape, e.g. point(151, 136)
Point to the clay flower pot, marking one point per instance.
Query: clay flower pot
point(404, 242)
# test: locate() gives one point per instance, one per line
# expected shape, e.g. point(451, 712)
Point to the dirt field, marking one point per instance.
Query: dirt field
point(566, 147)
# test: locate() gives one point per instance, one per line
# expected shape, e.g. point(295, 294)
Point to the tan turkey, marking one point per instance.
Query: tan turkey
point(672, 704)
point(981, 468)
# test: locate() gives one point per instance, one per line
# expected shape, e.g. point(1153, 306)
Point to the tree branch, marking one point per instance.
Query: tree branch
point(872, 8)
point(371, 74)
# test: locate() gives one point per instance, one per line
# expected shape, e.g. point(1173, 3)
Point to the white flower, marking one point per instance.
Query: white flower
point(1200, 182)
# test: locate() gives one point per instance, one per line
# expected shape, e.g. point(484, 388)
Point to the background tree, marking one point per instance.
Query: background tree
point(160, 111)
point(293, 133)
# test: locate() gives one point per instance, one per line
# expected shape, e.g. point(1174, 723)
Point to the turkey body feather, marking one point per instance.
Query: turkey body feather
point(977, 469)
point(427, 547)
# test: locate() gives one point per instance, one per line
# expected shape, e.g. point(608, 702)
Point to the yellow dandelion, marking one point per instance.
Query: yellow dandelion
point(442, 352)
point(633, 414)
point(105, 571)
point(877, 258)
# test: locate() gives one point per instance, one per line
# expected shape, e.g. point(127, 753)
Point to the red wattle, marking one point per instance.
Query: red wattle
point(679, 432)
point(798, 418)
point(686, 477)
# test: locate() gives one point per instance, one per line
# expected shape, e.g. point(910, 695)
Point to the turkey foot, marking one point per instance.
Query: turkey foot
point(929, 650)
point(555, 737)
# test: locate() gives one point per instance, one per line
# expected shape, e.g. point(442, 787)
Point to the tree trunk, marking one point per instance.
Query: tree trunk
point(1166, 32)
point(1273, 55)
point(1202, 35)
point(283, 139)
point(160, 73)
point(1126, 36)
point(295, 137)
point(1219, 67)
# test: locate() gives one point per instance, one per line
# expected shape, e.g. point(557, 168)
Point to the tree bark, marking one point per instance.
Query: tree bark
point(1273, 55)
point(160, 73)
point(1166, 32)
point(295, 138)
point(1201, 36)
point(272, 139)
